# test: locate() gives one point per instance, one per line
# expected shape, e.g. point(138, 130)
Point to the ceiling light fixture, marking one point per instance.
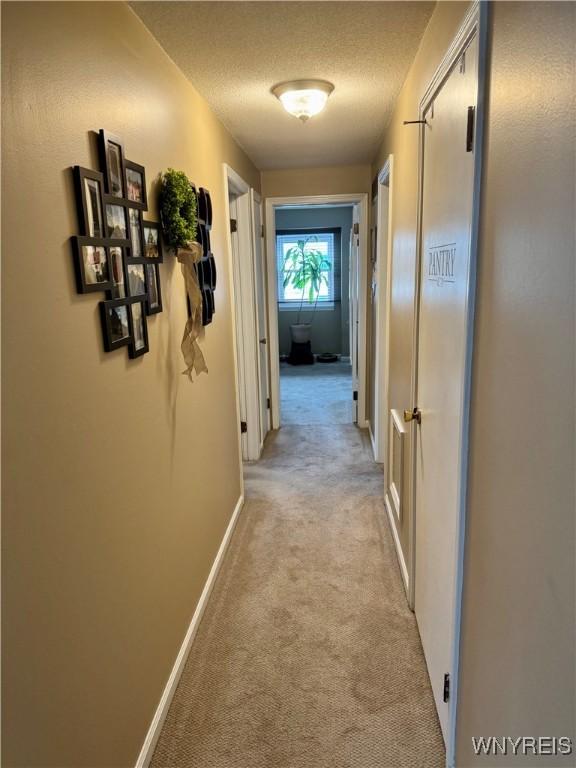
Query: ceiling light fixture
point(303, 98)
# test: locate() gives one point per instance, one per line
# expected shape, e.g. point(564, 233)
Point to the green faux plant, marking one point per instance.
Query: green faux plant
point(306, 269)
point(178, 208)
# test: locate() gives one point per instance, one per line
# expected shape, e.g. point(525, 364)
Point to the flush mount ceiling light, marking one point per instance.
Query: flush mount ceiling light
point(303, 98)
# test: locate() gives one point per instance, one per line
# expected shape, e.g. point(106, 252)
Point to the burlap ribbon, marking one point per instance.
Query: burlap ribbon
point(191, 351)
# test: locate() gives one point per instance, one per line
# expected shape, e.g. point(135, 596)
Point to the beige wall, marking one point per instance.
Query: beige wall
point(402, 142)
point(518, 665)
point(119, 476)
point(294, 182)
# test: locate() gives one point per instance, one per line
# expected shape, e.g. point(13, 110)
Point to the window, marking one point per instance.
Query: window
point(322, 241)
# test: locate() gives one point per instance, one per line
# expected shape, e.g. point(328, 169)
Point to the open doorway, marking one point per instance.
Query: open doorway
point(316, 249)
point(313, 313)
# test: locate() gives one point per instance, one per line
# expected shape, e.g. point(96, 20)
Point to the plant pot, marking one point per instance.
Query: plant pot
point(300, 333)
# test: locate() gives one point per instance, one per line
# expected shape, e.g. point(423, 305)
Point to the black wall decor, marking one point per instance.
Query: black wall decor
point(206, 267)
point(118, 252)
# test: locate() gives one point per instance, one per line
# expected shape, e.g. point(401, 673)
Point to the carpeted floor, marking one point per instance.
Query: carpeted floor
point(316, 394)
point(307, 655)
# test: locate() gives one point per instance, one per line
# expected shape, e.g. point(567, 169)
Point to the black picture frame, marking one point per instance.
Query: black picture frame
point(132, 169)
point(112, 160)
point(153, 288)
point(148, 226)
point(117, 261)
point(205, 207)
point(136, 235)
point(139, 343)
point(110, 318)
point(85, 282)
point(89, 187)
point(136, 280)
point(110, 203)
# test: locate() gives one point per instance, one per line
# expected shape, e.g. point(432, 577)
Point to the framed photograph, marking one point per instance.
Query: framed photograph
point(152, 246)
point(112, 157)
point(136, 184)
point(89, 192)
point(154, 303)
point(135, 222)
point(136, 280)
point(116, 259)
point(92, 265)
point(139, 344)
point(115, 315)
point(116, 220)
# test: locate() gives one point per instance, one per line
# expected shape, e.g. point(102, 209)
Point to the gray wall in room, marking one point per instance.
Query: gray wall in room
point(330, 330)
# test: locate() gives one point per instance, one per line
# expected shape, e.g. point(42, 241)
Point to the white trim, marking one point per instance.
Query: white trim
point(399, 553)
point(396, 425)
point(474, 24)
point(242, 274)
point(383, 280)
point(230, 180)
point(165, 700)
point(361, 200)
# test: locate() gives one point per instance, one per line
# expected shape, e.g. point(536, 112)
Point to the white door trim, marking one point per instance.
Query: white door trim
point(383, 280)
point(245, 328)
point(475, 23)
point(360, 199)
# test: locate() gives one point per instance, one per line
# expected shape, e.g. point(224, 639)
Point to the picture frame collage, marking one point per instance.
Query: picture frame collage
point(206, 267)
point(118, 252)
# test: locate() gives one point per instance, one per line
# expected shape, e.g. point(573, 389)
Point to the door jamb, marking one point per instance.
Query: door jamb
point(383, 291)
point(360, 199)
point(243, 311)
point(474, 23)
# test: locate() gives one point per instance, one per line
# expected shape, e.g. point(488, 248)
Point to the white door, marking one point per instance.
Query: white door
point(261, 318)
point(353, 305)
point(448, 178)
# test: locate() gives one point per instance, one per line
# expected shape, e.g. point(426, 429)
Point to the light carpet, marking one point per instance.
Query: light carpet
point(316, 394)
point(307, 655)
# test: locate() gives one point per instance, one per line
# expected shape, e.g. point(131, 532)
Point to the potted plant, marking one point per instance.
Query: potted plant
point(306, 269)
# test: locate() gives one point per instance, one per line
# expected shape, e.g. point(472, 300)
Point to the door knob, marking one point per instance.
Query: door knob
point(413, 415)
point(262, 341)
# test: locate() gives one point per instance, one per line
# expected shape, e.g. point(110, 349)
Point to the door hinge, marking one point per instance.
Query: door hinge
point(268, 403)
point(243, 427)
point(446, 693)
point(470, 129)
point(356, 228)
point(233, 225)
point(355, 395)
point(262, 230)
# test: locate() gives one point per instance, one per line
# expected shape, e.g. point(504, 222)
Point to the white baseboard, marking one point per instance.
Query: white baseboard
point(162, 710)
point(399, 553)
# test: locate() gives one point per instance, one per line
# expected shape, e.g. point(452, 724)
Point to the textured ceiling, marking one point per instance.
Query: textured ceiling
point(234, 52)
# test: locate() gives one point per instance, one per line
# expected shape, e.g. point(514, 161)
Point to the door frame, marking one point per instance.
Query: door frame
point(361, 200)
point(244, 320)
point(382, 330)
point(258, 234)
point(475, 23)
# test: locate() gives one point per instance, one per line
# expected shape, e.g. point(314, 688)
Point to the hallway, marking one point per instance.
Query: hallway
point(307, 655)
point(316, 394)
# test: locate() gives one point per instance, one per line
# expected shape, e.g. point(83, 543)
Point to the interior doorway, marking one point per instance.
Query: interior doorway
point(313, 313)
point(450, 171)
point(248, 289)
point(316, 259)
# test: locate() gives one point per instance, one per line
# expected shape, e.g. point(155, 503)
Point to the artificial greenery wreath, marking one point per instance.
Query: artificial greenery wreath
point(178, 208)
